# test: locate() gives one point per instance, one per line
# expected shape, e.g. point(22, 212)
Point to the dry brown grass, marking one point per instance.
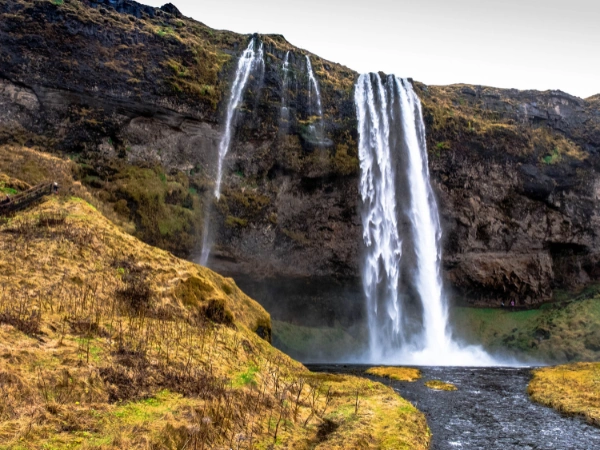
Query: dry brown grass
point(23, 167)
point(396, 373)
point(33, 167)
point(454, 117)
point(439, 385)
point(108, 343)
point(573, 389)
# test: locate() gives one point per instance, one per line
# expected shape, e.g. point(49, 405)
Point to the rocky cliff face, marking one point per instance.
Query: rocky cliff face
point(517, 176)
point(136, 96)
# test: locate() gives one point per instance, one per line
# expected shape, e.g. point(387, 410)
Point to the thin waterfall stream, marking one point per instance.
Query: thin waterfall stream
point(248, 61)
point(317, 130)
point(285, 112)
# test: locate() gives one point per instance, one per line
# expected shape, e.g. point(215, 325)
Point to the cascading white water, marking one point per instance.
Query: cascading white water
point(249, 60)
point(424, 221)
point(380, 228)
point(391, 128)
point(286, 81)
point(314, 85)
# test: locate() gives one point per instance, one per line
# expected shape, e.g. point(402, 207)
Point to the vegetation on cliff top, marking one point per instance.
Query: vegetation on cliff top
point(457, 114)
point(571, 389)
point(106, 342)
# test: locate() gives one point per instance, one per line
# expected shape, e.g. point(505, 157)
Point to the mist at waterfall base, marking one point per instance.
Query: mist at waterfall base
point(402, 234)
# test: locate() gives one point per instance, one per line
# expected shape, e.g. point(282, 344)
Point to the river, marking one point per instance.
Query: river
point(490, 410)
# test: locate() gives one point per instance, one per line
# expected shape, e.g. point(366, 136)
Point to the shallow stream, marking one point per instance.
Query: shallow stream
point(490, 410)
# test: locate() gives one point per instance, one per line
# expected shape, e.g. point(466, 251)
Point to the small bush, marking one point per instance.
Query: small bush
point(217, 312)
point(193, 291)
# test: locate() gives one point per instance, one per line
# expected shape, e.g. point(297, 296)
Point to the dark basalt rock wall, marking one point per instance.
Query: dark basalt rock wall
point(519, 192)
point(116, 84)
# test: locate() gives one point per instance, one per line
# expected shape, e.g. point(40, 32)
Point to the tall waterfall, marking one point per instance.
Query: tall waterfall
point(393, 153)
point(249, 60)
point(381, 271)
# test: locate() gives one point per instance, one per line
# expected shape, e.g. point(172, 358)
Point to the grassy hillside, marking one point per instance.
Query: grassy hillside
point(556, 332)
point(109, 343)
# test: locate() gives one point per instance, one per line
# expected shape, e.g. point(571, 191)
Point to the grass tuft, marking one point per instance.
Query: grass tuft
point(439, 385)
point(396, 373)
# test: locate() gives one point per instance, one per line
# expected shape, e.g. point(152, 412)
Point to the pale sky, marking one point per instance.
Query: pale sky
point(523, 44)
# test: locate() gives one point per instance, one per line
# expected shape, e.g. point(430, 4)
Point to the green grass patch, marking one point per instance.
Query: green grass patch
point(556, 332)
point(8, 191)
point(165, 31)
point(552, 158)
point(149, 409)
point(247, 377)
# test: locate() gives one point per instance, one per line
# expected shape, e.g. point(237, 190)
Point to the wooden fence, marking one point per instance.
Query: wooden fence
point(24, 199)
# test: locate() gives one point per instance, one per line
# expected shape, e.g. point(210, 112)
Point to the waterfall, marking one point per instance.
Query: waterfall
point(285, 86)
point(392, 131)
point(317, 131)
point(424, 219)
point(312, 84)
point(380, 228)
point(247, 62)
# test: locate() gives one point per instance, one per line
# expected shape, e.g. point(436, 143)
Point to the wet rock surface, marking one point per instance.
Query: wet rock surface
point(490, 410)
